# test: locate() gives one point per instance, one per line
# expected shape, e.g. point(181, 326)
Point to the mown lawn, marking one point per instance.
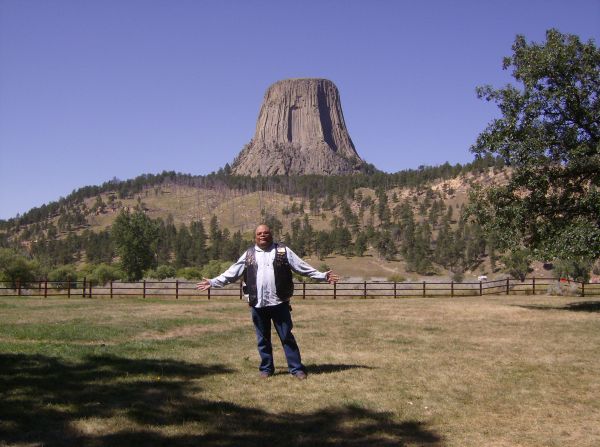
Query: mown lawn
point(493, 371)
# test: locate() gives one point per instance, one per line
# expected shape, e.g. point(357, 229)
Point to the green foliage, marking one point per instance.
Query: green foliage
point(102, 274)
point(62, 276)
point(16, 269)
point(573, 269)
point(162, 272)
point(517, 262)
point(190, 273)
point(214, 268)
point(135, 236)
point(458, 275)
point(549, 133)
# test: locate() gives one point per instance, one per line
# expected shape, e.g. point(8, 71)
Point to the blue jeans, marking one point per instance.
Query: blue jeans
point(282, 319)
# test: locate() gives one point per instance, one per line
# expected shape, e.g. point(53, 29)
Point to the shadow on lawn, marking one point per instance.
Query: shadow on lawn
point(41, 397)
point(580, 306)
point(333, 368)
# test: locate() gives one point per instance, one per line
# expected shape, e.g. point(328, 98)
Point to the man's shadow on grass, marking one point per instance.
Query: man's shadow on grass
point(328, 368)
point(49, 401)
point(580, 306)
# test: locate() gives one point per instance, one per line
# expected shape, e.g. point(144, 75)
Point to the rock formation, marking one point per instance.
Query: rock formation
point(300, 130)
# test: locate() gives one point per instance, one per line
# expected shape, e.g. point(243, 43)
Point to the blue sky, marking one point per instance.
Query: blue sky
point(91, 90)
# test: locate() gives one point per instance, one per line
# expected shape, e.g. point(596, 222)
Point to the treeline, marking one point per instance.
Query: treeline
point(309, 186)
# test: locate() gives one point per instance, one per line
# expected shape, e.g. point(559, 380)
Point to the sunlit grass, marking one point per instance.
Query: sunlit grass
point(500, 371)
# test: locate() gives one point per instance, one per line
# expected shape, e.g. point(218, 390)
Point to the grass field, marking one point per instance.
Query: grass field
point(489, 371)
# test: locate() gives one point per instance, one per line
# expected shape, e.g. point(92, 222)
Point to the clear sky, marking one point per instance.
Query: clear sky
point(96, 89)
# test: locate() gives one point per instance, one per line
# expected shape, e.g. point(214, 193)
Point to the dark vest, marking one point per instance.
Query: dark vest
point(284, 284)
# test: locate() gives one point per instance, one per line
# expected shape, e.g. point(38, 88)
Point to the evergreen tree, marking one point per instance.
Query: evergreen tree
point(135, 237)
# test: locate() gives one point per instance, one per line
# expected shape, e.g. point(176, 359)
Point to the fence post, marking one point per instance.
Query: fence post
point(452, 289)
point(46, 288)
point(303, 290)
point(18, 287)
point(533, 285)
point(507, 285)
point(83, 288)
point(480, 288)
point(424, 289)
point(364, 289)
point(144, 291)
point(176, 289)
point(395, 294)
point(334, 290)
point(111, 289)
point(208, 290)
point(69, 289)
point(582, 289)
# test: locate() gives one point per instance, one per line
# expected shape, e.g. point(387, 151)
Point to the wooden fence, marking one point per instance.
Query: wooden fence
point(305, 290)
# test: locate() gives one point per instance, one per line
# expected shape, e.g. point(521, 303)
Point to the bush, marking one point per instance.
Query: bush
point(189, 273)
point(214, 268)
point(104, 273)
point(396, 277)
point(458, 276)
point(578, 270)
point(563, 289)
point(15, 268)
point(63, 277)
point(162, 272)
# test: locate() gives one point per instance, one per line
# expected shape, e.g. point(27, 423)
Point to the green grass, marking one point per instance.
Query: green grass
point(499, 371)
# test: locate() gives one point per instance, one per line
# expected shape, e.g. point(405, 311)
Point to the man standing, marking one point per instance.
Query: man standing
point(267, 270)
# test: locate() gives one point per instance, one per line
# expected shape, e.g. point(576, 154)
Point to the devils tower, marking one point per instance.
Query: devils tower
point(300, 130)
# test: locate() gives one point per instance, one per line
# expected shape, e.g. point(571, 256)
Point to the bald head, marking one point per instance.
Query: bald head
point(263, 236)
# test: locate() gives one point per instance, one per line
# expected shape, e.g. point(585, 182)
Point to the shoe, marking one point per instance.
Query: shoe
point(300, 375)
point(265, 374)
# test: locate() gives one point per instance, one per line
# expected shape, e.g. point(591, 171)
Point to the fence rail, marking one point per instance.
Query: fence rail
point(303, 290)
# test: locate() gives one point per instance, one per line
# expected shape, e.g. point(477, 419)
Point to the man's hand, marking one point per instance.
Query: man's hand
point(331, 277)
point(203, 285)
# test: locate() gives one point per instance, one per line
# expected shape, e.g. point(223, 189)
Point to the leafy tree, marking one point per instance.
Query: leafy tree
point(103, 273)
point(135, 236)
point(15, 268)
point(549, 135)
point(517, 263)
point(62, 276)
point(578, 270)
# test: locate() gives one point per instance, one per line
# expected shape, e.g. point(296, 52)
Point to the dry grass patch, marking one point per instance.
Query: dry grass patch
point(501, 371)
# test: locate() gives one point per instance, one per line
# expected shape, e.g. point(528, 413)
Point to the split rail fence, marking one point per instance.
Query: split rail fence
point(303, 290)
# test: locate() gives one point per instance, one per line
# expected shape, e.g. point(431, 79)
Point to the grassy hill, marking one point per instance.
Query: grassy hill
point(241, 208)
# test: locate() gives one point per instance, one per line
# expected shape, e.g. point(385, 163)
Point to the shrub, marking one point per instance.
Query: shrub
point(215, 268)
point(576, 269)
point(63, 277)
point(104, 273)
point(458, 276)
point(189, 273)
point(15, 268)
point(396, 277)
point(563, 289)
point(162, 272)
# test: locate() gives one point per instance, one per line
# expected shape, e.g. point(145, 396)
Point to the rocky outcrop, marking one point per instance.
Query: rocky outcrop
point(300, 130)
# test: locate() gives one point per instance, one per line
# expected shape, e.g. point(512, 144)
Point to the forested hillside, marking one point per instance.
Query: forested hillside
point(413, 216)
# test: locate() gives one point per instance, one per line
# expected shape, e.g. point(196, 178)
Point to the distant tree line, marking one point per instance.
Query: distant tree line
point(309, 186)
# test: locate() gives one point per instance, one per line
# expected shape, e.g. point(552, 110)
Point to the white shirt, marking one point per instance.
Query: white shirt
point(265, 275)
